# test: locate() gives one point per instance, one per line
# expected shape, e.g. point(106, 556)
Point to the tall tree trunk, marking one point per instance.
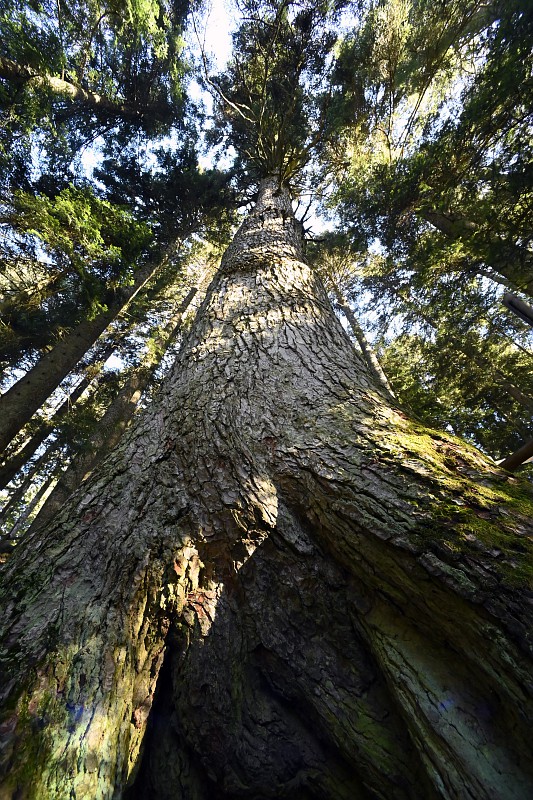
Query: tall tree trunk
point(370, 357)
point(114, 421)
point(18, 494)
point(519, 457)
point(26, 396)
point(18, 527)
point(316, 597)
point(15, 461)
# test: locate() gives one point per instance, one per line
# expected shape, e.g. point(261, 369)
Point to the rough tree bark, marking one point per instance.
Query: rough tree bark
point(114, 421)
point(315, 597)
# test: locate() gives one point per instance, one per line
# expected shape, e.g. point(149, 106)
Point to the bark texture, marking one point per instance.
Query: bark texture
point(313, 596)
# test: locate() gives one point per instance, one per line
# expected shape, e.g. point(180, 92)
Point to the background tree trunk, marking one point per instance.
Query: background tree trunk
point(511, 262)
point(30, 508)
point(13, 463)
point(26, 396)
point(370, 357)
point(317, 597)
point(24, 74)
point(18, 494)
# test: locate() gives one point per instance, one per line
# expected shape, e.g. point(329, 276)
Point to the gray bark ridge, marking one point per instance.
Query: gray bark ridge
point(270, 561)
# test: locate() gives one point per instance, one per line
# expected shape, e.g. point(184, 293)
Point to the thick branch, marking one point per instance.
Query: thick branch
point(506, 259)
point(22, 73)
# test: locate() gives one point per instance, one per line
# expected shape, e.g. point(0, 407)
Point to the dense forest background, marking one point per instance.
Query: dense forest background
point(404, 131)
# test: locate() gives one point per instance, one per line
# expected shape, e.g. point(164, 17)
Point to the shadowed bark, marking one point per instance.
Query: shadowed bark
point(315, 597)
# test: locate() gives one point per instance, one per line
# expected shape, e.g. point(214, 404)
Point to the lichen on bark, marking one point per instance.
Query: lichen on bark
point(278, 585)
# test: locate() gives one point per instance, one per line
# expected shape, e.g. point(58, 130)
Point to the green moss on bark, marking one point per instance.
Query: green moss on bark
point(471, 510)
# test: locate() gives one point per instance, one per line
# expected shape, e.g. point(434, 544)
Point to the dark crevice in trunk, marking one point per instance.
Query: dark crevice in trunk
point(275, 680)
point(171, 770)
point(267, 742)
point(168, 770)
point(243, 710)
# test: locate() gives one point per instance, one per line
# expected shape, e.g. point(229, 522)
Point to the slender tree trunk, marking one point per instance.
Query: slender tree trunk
point(13, 463)
point(18, 494)
point(113, 422)
point(524, 400)
point(30, 508)
point(480, 359)
point(26, 396)
point(494, 277)
point(316, 597)
point(518, 307)
point(368, 352)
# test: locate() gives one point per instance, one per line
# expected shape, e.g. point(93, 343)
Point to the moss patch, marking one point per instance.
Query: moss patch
point(472, 511)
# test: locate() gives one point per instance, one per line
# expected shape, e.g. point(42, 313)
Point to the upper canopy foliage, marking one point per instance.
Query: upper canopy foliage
point(273, 97)
point(431, 161)
point(90, 79)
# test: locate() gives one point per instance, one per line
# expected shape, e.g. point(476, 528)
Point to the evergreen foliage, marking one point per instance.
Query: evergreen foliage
point(286, 580)
point(272, 99)
point(431, 160)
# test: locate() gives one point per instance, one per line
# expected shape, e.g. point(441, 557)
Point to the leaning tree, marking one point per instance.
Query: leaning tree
point(277, 585)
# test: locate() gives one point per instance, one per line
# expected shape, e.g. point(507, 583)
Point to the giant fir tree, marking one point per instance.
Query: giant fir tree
point(277, 585)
